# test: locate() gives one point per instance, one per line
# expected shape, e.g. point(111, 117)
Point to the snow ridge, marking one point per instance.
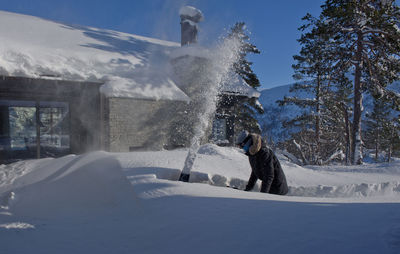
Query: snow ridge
point(347, 191)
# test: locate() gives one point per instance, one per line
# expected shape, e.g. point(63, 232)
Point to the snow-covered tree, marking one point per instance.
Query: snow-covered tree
point(366, 30)
point(312, 67)
point(376, 134)
point(245, 110)
point(339, 110)
point(394, 138)
point(271, 124)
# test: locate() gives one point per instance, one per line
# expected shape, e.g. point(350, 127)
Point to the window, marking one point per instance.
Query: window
point(22, 127)
point(25, 124)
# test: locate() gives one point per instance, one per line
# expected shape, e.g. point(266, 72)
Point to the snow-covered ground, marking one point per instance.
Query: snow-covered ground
point(131, 203)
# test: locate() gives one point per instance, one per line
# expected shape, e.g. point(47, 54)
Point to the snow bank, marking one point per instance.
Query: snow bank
point(223, 152)
point(349, 190)
point(228, 166)
point(132, 203)
point(75, 184)
point(213, 165)
point(102, 180)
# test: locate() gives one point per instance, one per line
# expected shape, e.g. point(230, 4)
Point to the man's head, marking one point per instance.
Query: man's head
point(243, 139)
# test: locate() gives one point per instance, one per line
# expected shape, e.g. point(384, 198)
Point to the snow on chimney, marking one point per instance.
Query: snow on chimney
point(190, 16)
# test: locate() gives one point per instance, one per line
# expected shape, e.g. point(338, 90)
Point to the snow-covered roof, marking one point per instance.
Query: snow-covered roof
point(128, 65)
point(235, 85)
point(192, 50)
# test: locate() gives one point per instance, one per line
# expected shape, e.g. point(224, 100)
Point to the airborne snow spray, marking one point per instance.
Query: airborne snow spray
point(221, 59)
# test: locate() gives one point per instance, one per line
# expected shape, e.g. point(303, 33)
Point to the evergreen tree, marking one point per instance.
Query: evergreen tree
point(339, 113)
point(394, 138)
point(246, 110)
point(378, 121)
point(271, 124)
point(367, 31)
point(313, 66)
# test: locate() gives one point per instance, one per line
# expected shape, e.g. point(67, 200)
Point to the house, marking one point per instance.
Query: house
point(72, 89)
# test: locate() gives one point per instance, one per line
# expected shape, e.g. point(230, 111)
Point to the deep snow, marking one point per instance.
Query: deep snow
point(131, 203)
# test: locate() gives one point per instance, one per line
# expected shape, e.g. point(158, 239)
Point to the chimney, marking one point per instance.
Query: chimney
point(190, 16)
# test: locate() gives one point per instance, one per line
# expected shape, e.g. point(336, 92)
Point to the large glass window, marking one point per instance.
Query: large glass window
point(31, 129)
point(54, 127)
point(22, 127)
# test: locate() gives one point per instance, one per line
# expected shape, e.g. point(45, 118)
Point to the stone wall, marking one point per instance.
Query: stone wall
point(139, 124)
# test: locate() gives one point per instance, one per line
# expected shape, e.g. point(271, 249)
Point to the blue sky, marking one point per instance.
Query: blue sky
point(272, 24)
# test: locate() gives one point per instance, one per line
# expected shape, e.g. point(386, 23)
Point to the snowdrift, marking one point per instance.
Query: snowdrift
point(228, 167)
point(132, 203)
point(73, 184)
point(100, 180)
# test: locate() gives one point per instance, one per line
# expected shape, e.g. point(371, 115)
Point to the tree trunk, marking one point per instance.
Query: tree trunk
point(303, 157)
point(391, 141)
point(377, 145)
point(317, 122)
point(356, 133)
point(348, 137)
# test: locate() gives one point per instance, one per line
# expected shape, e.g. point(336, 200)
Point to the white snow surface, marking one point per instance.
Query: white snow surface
point(129, 65)
point(235, 85)
point(192, 12)
point(132, 203)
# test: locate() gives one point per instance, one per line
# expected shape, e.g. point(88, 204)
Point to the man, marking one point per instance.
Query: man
point(264, 164)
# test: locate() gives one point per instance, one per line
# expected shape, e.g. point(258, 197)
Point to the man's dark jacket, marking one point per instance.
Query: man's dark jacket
point(266, 167)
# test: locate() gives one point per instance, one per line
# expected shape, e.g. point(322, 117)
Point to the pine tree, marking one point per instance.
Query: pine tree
point(271, 124)
point(366, 30)
point(377, 126)
point(339, 112)
point(312, 68)
point(246, 110)
point(394, 137)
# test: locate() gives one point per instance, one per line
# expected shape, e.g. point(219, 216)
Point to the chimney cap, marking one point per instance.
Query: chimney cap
point(191, 13)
